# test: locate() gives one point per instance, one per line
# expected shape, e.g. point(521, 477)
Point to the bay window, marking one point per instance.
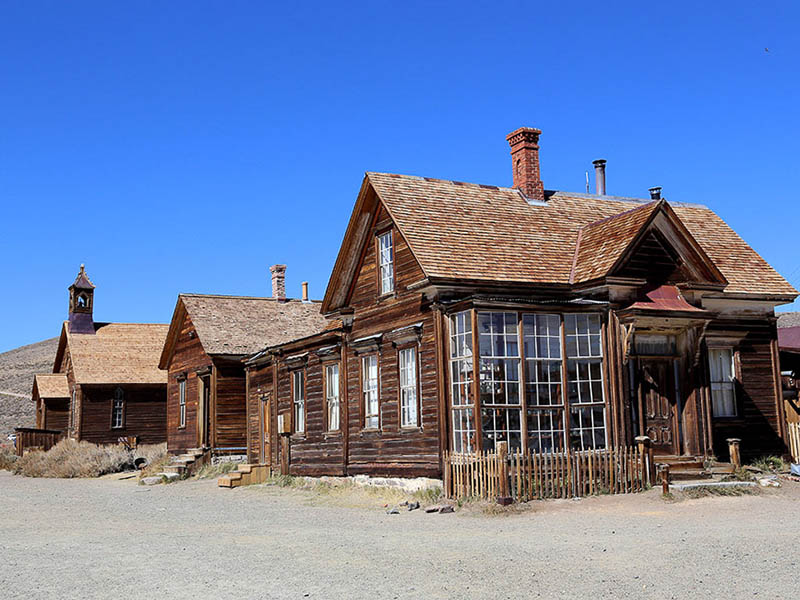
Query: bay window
point(539, 380)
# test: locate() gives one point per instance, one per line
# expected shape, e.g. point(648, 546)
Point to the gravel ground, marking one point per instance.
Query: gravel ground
point(106, 538)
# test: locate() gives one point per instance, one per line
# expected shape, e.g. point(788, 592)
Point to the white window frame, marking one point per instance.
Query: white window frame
point(461, 382)
point(409, 393)
point(723, 405)
point(386, 262)
point(118, 409)
point(299, 400)
point(370, 383)
point(332, 399)
point(181, 403)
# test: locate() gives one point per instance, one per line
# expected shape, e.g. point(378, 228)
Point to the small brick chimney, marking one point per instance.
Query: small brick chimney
point(278, 281)
point(524, 144)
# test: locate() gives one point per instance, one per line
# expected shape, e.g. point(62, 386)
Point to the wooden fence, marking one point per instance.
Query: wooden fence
point(525, 476)
point(794, 441)
point(35, 439)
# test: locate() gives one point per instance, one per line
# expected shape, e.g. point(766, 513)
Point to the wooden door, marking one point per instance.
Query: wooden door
point(204, 392)
point(657, 381)
point(266, 447)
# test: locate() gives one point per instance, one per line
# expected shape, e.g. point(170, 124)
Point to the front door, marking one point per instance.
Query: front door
point(658, 402)
point(203, 411)
point(266, 448)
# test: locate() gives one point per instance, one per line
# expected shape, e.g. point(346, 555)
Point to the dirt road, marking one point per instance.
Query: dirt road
point(113, 539)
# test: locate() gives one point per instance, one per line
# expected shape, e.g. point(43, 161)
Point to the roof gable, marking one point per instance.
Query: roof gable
point(241, 325)
point(479, 233)
point(51, 385)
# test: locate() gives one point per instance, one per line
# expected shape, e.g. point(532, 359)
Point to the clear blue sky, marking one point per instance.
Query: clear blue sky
point(186, 146)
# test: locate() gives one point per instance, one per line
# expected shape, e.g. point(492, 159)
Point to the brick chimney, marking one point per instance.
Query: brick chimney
point(278, 281)
point(524, 144)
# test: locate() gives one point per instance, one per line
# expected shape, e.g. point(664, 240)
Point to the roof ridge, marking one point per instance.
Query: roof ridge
point(234, 297)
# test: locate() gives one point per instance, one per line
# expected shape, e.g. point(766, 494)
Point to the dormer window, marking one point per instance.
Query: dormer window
point(386, 262)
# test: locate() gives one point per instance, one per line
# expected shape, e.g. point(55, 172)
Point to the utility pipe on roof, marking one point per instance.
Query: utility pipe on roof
point(600, 175)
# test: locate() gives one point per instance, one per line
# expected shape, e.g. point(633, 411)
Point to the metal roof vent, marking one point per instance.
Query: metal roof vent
point(655, 193)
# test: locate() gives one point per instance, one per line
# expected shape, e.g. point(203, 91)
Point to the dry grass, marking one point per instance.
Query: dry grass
point(705, 492)
point(342, 491)
point(69, 459)
point(770, 464)
point(210, 471)
point(8, 457)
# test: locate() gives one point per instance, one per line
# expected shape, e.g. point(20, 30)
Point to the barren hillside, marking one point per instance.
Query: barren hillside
point(17, 368)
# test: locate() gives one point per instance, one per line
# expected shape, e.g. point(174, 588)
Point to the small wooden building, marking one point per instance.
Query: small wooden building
point(789, 345)
point(462, 315)
point(208, 337)
point(105, 384)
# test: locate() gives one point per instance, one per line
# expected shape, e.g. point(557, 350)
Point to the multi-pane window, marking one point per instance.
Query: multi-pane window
point(408, 387)
point(332, 396)
point(585, 381)
point(723, 388)
point(541, 339)
point(498, 341)
point(182, 403)
point(463, 404)
point(386, 262)
point(299, 400)
point(369, 391)
point(118, 409)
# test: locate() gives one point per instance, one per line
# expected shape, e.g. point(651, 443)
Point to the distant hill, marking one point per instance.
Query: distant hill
point(17, 368)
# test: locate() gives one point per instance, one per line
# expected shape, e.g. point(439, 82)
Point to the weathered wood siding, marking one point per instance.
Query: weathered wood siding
point(145, 414)
point(229, 408)
point(260, 383)
point(55, 414)
point(758, 423)
point(188, 357)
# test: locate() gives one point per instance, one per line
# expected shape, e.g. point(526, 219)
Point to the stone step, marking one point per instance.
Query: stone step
point(177, 469)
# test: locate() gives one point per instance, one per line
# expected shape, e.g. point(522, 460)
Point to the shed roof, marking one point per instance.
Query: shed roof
point(488, 233)
point(51, 385)
point(789, 338)
point(242, 325)
point(115, 353)
point(788, 319)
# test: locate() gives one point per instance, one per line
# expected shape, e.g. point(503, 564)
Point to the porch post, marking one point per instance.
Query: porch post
point(646, 452)
point(733, 449)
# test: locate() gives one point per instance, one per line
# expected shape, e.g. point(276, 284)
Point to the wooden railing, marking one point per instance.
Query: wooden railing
point(794, 440)
point(36, 439)
point(523, 476)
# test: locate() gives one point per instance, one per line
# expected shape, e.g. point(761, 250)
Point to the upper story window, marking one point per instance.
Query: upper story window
point(182, 403)
point(118, 409)
point(408, 388)
point(386, 262)
point(332, 396)
point(723, 386)
point(299, 401)
point(369, 391)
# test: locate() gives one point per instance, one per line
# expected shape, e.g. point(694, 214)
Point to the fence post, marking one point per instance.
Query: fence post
point(664, 470)
point(503, 496)
point(646, 452)
point(733, 449)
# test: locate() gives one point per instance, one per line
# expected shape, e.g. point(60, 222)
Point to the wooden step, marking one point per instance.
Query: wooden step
point(689, 474)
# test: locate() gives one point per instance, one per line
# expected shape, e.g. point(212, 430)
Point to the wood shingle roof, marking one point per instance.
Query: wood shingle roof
point(488, 233)
point(51, 385)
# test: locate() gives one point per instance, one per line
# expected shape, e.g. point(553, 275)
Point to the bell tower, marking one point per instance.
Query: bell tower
point(81, 304)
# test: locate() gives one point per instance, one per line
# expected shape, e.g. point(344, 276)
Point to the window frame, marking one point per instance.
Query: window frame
point(734, 378)
point(303, 401)
point(327, 395)
point(362, 392)
point(565, 424)
point(182, 403)
point(379, 236)
point(416, 386)
point(118, 391)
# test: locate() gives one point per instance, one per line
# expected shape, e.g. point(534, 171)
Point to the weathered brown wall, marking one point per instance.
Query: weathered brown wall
point(145, 414)
point(758, 423)
point(260, 383)
point(230, 420)
point(55, 414)
point(188, 356)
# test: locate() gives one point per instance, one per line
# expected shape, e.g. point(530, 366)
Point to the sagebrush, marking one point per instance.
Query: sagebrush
point(70, 458)
point(8, 457)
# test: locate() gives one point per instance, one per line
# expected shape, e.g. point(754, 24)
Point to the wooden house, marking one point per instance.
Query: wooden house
point(462, 315)
point(105, 384)
point(202, 357)
point(789, 346)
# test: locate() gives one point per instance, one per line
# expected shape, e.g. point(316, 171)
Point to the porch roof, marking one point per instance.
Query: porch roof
point(666, 298)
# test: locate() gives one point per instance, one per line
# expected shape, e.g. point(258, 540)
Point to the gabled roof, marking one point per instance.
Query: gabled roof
point(241, 325)
point(51, 385)
point(116, 353)
point(484, 233)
